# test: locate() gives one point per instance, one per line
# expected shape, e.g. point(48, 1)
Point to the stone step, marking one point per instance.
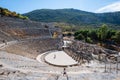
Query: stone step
point(63, 77)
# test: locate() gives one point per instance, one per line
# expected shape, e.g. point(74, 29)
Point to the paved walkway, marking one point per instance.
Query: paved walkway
point(3, 45)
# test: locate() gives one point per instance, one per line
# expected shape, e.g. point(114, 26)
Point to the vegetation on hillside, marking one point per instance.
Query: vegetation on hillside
point(102, 35)
point(8, 13)
point(76, 17)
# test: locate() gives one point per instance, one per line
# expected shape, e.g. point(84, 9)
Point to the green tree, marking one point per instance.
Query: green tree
point(117, 37)
point(102, 32)
point(89, 40)
point(93, 35)
point(110, 34)
point(77, 33)
point(5, 12)
point(85, 33)
point(80, 37)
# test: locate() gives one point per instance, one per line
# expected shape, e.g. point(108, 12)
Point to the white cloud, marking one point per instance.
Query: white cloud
point(110, 8)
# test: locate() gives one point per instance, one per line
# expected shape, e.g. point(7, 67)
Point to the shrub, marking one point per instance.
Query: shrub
point(80, 37)
point(89, 40)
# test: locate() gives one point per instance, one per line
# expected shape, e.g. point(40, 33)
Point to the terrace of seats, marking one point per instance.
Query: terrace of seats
point(28, 69)
point(85, 53)
point(32, 47)
point(15, 29)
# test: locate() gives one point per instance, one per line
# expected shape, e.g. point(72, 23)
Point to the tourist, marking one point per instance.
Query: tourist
point(54, 56)
point(64, 72)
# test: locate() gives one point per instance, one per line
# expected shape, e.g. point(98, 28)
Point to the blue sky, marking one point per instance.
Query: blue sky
point(23, 6)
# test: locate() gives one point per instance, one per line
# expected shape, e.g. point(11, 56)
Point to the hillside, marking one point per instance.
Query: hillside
point(8, 13)
point(74, 16)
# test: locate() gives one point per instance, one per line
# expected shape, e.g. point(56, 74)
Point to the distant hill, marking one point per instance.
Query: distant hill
point(74, 16)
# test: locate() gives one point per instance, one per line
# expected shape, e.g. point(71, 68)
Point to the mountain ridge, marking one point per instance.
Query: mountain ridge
point(74, 16)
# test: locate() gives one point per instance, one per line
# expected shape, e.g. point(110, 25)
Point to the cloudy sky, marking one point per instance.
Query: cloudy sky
point(115, 6)
point(99, 6)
